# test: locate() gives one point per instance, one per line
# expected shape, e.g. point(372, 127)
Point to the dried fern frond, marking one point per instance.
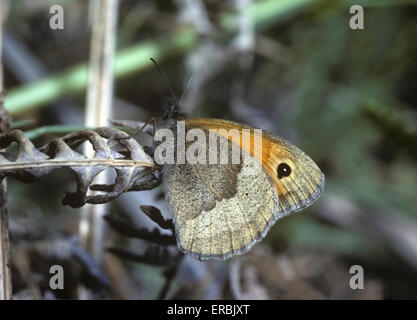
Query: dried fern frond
point(128, 230)
point(153, 255)
point(135, 169)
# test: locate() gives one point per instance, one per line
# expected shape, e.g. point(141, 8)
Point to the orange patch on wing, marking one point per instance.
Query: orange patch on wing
point(272, 149)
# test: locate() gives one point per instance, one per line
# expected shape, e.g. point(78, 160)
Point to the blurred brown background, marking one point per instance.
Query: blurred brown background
point(348, 98)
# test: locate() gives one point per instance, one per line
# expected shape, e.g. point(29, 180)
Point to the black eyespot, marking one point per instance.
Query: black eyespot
point(283, 170)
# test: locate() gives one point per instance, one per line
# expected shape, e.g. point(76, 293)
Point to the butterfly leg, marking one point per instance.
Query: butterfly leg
point(139, 126)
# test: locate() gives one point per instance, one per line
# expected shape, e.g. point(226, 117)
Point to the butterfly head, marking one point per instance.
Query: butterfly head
point(171, 110)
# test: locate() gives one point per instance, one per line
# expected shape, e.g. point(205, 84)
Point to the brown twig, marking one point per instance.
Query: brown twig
point(128, 230)
point(169, 274)
point(5, 273)
point(29, 163)
point(98, 111)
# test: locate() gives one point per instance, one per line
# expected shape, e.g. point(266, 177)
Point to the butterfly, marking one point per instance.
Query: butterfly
point(222, 208)
point(220, 211)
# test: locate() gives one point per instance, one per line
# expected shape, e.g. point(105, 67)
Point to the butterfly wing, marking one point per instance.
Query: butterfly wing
point(295, 191)
point(220, 211)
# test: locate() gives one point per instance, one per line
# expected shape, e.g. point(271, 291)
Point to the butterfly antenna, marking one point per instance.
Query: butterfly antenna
point(166, 80)
point(186, 86)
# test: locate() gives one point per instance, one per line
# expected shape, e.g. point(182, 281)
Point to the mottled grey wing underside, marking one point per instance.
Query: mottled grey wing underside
point(218, 210)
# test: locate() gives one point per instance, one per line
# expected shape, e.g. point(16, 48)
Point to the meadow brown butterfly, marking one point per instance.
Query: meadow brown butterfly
point(219, 210)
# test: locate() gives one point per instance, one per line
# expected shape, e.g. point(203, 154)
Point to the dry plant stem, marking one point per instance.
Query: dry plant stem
point(198, 15)
point(99, 102)
point(5, 272)
point(134, 168)
point(24, 267)
point(123, 285)
point(65, 163)
point(169, 274)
